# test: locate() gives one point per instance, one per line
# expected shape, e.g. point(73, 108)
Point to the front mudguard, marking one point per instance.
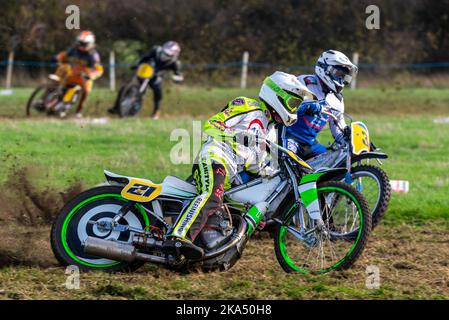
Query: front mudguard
point(364, 156)
point(308, 189)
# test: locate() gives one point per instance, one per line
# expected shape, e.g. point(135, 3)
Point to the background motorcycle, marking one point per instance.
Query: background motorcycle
point(130, 99)
point(350, 153)
point(123, 225)
point(55, 97)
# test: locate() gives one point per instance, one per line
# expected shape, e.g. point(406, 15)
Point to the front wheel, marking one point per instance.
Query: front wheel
point(130, 101)
point(74, 224)
point(333, 246)
point(43, 98)
point(374, 184)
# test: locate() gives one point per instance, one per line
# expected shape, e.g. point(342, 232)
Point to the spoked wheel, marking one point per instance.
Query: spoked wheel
point(44, 98)
point(74, 225)
point(332, 246)
point(130, 100)
point(374, 184)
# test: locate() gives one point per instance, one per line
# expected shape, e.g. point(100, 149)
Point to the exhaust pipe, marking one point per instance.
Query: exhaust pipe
point(114, 250)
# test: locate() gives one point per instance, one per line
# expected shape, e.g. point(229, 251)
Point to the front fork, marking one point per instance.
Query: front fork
point(348, 175)
point(349, 179)
point(144, 85)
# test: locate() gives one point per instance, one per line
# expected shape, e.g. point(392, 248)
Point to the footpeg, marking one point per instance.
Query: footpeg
point(184, 247)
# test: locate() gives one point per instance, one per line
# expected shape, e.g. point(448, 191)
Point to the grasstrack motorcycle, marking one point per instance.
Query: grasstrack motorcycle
point(122, 225)
point(350, 153)
point(131, 96)
point(55, 97)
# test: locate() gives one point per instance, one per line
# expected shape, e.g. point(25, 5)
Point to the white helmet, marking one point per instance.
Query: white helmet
point(85, 40)
point(169, 51)
point(284, 93)
point(335, 70)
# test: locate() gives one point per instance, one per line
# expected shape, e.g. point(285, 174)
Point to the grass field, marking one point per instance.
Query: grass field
point(198, 102)
point(46, 157)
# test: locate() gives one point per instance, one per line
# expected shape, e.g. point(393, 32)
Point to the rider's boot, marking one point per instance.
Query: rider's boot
point(156, 115)
point(182, 246)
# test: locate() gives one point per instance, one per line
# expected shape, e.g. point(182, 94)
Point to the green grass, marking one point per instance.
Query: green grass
point(60, 152)
point(412, 239)
point(198, 102)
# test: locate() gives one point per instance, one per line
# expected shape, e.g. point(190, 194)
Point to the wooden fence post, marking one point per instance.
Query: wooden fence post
point(9, 69)
point(244, 77)
point(355, 60)
point(112, 70)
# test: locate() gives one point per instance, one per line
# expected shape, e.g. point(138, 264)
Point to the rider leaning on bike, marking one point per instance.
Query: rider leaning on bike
point(161, 58)
point(333, 71)
point(222, 158)
point(85, 62)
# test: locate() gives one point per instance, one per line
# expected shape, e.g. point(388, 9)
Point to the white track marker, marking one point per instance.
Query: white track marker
point(399, 186)
point(6, 92)
point(441, 120)
point(97, 121)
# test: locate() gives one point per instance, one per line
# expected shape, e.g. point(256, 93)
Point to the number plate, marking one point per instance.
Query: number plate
point(359, 138)
point(141, 190)
point(145, 71)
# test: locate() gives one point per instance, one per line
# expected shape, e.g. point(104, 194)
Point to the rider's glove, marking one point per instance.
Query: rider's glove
point(311, 108)
point(177, 78)
point(267, 171)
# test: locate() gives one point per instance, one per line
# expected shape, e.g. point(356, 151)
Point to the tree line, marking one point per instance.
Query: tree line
point(289, 32)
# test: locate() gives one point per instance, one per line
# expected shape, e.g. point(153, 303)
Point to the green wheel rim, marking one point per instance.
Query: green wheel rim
point(283, 233)
point(72, 213)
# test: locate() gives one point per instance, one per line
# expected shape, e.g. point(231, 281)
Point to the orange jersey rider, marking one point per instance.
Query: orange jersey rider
point(85, 62)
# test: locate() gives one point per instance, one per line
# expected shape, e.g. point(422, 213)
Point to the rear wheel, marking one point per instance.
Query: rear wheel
point(74, 225)
point(130, 101)
point(332, 246)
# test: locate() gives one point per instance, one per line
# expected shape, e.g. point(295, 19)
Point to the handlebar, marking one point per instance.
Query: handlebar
point(328, 111)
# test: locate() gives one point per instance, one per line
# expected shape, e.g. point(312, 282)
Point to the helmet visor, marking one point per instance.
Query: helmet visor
point(290, 101)
point(165, 56)
point(342, 74)
point(293, 103)
point(83, 44)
